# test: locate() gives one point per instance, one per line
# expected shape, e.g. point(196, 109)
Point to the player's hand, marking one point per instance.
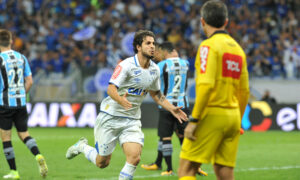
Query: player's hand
point(179, 114)
point(189, 131)
point(125, 103)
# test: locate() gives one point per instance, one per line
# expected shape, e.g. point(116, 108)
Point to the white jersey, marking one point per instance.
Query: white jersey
point(130, 77)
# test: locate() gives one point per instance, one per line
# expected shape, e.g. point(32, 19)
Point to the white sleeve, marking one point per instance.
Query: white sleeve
point(119, 75)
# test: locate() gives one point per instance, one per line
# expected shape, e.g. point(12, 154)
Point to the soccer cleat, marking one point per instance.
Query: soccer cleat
point(152, 166)
point(74, 150)
point(42, 165)
point(167, 173)
point(201, 172)
point(12, 175)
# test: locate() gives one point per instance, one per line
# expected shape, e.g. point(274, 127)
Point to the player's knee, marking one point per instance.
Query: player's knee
point(103, 163)
point(137, 160)
point(134, 160)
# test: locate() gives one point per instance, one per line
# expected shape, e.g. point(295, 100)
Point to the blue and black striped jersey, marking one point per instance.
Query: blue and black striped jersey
point(14, 68)
point(173, 77)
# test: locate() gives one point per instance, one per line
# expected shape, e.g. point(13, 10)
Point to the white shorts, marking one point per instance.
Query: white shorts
point(109, 130)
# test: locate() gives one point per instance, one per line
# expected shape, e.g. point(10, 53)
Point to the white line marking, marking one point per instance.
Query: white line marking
point(210, 172)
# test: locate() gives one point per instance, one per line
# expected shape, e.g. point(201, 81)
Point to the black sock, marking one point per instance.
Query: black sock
point(31, 145)
point(167, 153)
point(181, 141)
point(159, 154)
point(9, 155)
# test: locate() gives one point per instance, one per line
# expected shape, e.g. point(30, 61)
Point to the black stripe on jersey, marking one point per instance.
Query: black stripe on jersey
point(186, 84)
point(18, 99)
point(5, 83)
point(16, 82)
point(166, 79)
point(185, 103)
point(177, 72)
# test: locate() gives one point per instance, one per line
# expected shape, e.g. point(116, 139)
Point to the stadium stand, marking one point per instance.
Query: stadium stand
point(68, 41)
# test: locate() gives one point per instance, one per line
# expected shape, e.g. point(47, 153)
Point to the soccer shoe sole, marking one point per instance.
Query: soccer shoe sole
point(201, 172)
point(73, 150)
point(150, 167)
point(167, 173)
point(42, 166)
point(11, 176)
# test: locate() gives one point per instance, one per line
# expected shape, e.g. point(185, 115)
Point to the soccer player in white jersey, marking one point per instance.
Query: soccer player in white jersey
point(120, 113)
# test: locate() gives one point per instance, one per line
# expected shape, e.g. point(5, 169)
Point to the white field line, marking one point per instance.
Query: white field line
point(211, 172)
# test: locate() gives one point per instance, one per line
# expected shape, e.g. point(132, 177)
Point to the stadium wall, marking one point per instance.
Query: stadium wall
point(284, 91)
point(259, 115)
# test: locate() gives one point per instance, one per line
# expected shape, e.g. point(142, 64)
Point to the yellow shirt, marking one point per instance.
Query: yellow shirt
point(221, 74)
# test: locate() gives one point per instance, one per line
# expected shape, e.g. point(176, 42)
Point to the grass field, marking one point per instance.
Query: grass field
point(262, 156)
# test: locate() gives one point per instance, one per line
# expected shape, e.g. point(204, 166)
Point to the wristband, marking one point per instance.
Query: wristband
point(191, 119)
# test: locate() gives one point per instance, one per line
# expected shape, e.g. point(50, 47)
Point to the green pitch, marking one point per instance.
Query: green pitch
point(262, 156)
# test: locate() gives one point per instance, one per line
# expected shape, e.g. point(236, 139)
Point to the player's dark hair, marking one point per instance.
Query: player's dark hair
point(5, 38)
point(214, 13)
point(166, 46)
point(139, 36)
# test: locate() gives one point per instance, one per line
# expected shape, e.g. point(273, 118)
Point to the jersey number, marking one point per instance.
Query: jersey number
point(177, 80)
point(12, 73)
point(204, 50)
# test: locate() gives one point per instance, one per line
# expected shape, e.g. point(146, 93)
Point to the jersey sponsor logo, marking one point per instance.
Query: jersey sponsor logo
point(136, 91)
point(117, 72)
point(232, 65)
point(137, 80)
point(204, 50)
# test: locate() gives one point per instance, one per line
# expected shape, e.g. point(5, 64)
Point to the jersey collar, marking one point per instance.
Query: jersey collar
point(173, 58)
point(218, 32)
point(137, 63)
point(7, 51)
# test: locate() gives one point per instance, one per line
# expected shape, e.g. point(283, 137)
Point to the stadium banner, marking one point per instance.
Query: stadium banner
point(258, 116)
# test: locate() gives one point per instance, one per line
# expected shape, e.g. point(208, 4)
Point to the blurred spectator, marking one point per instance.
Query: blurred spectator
point(37, 64)
point(268, 30)
point(268, 98)
point(277, 68)
point(114, 55)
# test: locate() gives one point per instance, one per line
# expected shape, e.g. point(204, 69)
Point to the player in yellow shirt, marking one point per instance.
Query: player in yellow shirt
point(222, 90)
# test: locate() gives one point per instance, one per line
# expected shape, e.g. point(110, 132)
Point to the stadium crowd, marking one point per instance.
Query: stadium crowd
point(45, 30)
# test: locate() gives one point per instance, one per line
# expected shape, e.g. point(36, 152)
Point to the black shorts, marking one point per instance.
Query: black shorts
point(18, 117)
point(167, 124)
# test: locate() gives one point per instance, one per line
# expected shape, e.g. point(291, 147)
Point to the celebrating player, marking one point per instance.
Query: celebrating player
point(119, 119)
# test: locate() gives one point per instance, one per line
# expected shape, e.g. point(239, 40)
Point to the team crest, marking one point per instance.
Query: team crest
point(137, 72)
point(153, 72)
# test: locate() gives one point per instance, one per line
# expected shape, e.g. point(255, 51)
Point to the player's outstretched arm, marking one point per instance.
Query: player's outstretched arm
point(161, 100)
point(122, 100)
point(28, 83)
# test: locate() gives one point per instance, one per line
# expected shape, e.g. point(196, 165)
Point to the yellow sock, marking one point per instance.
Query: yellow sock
point(188, 178)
